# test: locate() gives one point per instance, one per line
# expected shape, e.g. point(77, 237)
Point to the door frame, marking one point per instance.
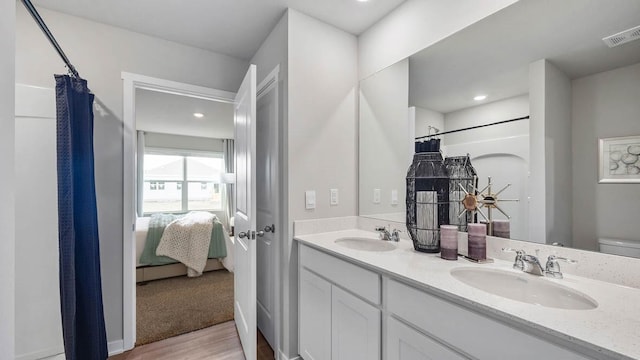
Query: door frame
point(271, 82)
point(131, 82)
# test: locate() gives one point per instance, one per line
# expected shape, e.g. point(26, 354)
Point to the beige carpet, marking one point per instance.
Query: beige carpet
point(170, 307)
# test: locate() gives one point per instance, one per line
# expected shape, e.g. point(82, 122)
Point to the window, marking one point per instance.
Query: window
point(175, 182)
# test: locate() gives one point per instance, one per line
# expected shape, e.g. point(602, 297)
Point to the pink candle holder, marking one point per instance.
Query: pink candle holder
point(449, 242)
point(477, 241)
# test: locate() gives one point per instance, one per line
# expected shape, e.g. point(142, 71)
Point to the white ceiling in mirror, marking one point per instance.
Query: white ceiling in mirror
point(174, 114)
point(493, 55)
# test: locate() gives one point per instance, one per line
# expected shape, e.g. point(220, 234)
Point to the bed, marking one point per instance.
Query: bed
point(162, 267)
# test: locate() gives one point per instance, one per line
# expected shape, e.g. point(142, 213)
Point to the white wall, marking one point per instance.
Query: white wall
point(506, 109)
point(415, 25)
point(36, 254)
point(322, 117)
point(101, 53)
point(558, 157)
point(384, 143)
point(425, 118)
point(537, 165)
point(322, 131)
point(550, 150)
point(604, 105)
point(7, 194)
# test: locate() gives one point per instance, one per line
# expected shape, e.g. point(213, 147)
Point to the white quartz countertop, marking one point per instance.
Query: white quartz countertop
point(613, 328)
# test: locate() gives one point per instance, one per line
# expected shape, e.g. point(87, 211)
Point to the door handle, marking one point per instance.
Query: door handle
point(242, 235)
point(269, 228)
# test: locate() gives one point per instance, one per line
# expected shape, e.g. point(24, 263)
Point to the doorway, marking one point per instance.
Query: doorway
point(134, 86)
point(183, 202)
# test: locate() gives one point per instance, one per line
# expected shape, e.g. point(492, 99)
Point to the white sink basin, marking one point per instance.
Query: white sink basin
point(367, 244)
point(524, 287)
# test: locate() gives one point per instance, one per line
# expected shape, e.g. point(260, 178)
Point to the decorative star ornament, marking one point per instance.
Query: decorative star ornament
point(477, 199)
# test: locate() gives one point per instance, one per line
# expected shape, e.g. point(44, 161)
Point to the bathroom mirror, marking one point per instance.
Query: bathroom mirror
point(544, 59)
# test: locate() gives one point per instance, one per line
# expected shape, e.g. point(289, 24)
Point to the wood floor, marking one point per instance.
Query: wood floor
point(219, 342)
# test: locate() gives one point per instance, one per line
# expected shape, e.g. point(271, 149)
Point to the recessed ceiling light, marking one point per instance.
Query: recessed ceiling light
point(198, 115)
point(362, 0)
point(480, 97)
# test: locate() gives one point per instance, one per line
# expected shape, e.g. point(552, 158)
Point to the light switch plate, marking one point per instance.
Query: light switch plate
point(310, 199)
point(334, 196)
point(394, 197)
point(376, 196)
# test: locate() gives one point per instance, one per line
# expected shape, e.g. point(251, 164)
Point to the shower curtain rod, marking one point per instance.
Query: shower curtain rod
point(36, 16)
point(472, 127)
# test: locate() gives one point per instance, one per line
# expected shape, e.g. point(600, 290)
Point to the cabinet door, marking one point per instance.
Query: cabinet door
point(314, 317)
point(355, 328)
point(405, 343)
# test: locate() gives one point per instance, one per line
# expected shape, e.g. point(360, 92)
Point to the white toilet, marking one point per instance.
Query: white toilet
point(620, 247)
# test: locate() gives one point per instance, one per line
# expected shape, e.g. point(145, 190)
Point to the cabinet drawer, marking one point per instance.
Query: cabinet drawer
point(468, 331)
point(359, 281)
point(405, 343)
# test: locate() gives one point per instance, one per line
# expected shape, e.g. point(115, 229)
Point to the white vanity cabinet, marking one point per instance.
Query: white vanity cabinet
point(335, 323)
point(349, 311)
point(355, 327)
point(460, 330)
point(314, 316)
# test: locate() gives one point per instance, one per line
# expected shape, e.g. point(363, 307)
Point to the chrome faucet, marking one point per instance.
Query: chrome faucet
point(530, 264)
point(525, 262)
point(387, 235)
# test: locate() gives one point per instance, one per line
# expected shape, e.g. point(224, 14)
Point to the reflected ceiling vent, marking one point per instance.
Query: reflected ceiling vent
point(622, 37)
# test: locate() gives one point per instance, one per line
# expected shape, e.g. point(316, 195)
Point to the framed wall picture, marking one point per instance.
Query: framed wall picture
point(619, 160)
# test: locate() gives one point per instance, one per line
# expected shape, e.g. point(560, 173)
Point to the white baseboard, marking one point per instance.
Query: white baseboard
point(115, 347)
point(53, 353)
point(282, 356)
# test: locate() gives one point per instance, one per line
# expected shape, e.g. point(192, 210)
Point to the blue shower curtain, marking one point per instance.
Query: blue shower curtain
point(80, 284)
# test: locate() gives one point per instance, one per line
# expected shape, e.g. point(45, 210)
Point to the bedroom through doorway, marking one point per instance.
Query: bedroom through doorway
point(204, 152)
point(184, 214)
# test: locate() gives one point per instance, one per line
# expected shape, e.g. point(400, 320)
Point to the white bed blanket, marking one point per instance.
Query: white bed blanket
point(187, 240)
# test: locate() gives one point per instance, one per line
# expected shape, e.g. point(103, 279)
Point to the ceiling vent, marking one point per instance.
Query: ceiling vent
point(622, 37)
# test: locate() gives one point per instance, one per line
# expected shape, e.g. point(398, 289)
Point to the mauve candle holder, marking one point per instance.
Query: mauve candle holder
point(477, 241)
point(501, 228)
point(449, 242)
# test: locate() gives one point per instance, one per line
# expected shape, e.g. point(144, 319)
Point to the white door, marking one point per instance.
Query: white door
point(267, 207)
point(245, 216)
point(38, 322)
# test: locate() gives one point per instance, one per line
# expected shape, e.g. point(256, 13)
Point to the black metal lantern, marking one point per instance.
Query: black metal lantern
point(463, 179)
point(427, 200)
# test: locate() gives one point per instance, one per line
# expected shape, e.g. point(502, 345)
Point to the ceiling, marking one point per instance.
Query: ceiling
point(232, 27)
point(173, 114)
point(492, 56)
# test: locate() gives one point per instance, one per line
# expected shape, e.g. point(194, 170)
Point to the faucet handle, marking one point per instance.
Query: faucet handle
point(570, 261)
point(395, 235)
point(552, 269)
point(518, 252)
point(518, 263)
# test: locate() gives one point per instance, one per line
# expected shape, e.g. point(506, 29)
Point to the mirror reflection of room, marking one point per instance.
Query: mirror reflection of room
point(184, 214)
point(566, 92)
